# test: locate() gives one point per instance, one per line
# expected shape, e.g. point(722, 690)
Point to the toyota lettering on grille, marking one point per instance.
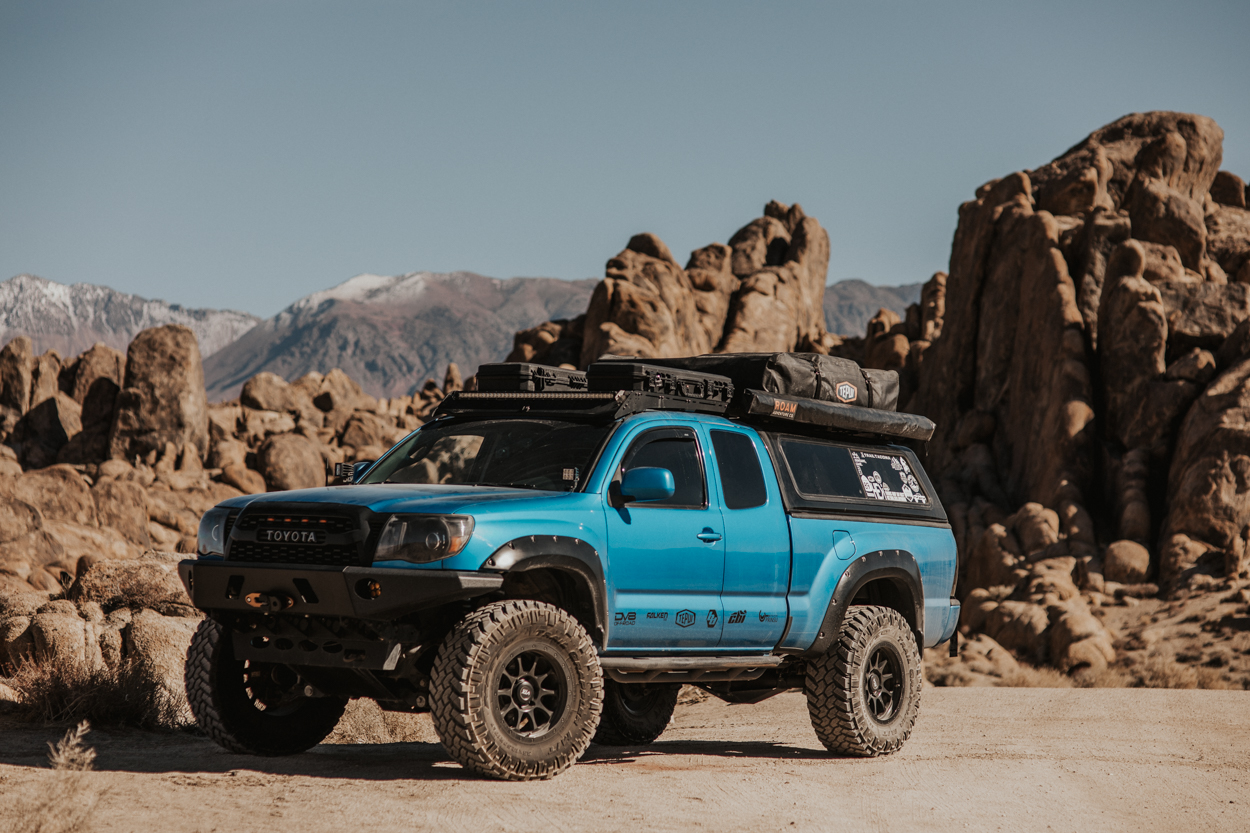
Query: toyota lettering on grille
point(291, 536)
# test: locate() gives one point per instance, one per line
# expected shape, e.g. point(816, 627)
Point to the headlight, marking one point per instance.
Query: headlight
point(212, 536)
point(423, 538)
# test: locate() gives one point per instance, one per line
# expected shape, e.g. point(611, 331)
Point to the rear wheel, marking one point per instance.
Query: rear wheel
point(635, 714)
point(517, 691)
point(863, 696)
point(251, 707)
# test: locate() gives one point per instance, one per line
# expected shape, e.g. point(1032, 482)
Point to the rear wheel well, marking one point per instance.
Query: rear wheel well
point(894, 594)
point(563, 588)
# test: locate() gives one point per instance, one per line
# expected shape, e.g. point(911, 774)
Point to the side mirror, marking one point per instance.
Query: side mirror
point(352, 472)
point(647, 484)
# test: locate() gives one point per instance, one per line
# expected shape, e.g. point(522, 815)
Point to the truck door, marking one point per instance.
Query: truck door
point(666, 559)
point(757, 543)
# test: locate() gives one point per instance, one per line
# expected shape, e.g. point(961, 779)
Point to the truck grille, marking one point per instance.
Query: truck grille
point(328, 555)
point(333, 524)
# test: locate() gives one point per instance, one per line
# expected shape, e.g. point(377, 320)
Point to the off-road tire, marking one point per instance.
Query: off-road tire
point(845, 713)
point(494, 645)
point(217, 691)
point(635, 714)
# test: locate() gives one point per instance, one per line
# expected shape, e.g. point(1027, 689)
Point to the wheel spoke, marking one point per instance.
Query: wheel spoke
point(529, 694)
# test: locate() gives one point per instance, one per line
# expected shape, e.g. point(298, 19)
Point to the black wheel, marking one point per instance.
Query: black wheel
point(516, 691)
point(253, 707)
point(864, 694)
point(635, 714)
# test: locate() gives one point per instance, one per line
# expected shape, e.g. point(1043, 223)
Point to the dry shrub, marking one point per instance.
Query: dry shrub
point(1161, 671)
point(145, 583)
point(72, 691)
point(1102, 678)
point(365, 722)
point(66, 802)
point(1029, 676)
point(690, 695)
point(955, 674)
point(1158, 671)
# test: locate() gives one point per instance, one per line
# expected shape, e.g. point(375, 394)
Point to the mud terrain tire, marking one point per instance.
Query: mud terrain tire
point(635, 714)
point(517, 691)
point(255, 709)
point(863, 696)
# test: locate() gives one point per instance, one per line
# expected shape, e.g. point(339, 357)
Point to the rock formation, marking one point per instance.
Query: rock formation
point(1088, 362)
point(763, 291)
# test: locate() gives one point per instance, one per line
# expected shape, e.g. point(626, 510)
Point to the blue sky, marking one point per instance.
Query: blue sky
point(243, 154)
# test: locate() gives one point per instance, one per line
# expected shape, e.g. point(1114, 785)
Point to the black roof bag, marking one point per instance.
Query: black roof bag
point(802, 375)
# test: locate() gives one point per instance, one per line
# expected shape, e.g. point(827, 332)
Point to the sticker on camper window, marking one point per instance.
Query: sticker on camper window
point(846, 392)
point(887, 477)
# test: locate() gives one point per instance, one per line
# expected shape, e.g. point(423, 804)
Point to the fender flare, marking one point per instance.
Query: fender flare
point(562, 553)
point(899, 567)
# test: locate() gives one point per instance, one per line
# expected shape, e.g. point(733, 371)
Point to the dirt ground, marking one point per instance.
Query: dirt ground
point(979, 759)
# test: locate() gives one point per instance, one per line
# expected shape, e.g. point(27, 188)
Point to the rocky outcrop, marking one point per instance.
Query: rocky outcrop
point(779, 305)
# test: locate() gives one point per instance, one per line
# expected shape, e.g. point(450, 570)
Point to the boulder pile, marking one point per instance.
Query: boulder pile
point(108, 461)
point(111, 456)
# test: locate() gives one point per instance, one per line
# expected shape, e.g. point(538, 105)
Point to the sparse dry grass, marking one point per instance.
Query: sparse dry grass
point(66, 802)
point(67, 691)
point(1159, 671)
point(69, 754)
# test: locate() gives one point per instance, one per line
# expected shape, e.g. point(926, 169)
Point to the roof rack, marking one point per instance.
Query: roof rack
point(607, 405)
point(754, 406)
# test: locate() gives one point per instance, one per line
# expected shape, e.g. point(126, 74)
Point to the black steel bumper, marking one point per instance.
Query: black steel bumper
point(357, 592)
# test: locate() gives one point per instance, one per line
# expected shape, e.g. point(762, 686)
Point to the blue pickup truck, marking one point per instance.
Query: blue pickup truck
point(541, 568)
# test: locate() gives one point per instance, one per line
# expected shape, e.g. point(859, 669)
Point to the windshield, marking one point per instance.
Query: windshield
point(525, 453)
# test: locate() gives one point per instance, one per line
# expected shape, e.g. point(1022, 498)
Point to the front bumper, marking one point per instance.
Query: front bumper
point(327, 591)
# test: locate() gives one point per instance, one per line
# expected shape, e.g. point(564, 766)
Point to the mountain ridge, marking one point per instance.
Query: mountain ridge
point(391, 333)
point(69, 318)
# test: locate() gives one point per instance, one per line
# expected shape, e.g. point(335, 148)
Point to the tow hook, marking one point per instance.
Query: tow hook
point(273, 602)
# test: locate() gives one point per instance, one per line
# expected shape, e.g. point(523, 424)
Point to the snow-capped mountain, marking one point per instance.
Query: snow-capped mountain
point(69, 319)
point(390, 334)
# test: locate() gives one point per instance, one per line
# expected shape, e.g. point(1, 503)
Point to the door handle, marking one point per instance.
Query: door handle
point(707, 536)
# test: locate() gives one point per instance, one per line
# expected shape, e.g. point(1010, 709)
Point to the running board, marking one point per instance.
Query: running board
point(686, 669)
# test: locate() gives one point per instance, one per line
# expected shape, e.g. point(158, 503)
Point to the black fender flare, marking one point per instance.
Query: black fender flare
point(899, 567)
point(562, 553)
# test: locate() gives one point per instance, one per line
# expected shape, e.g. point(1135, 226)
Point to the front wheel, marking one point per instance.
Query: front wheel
point(517, 691)
point(253, 707)
point(635, 714)
point(863, 696)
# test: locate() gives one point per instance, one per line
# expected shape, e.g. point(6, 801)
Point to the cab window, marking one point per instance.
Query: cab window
point(675, 450)
point(741, 478)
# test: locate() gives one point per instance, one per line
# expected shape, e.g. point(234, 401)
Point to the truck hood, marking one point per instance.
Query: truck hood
point(399, 497)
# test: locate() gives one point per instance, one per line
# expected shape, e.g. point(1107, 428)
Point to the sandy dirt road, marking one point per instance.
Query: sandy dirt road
point(980, 759)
